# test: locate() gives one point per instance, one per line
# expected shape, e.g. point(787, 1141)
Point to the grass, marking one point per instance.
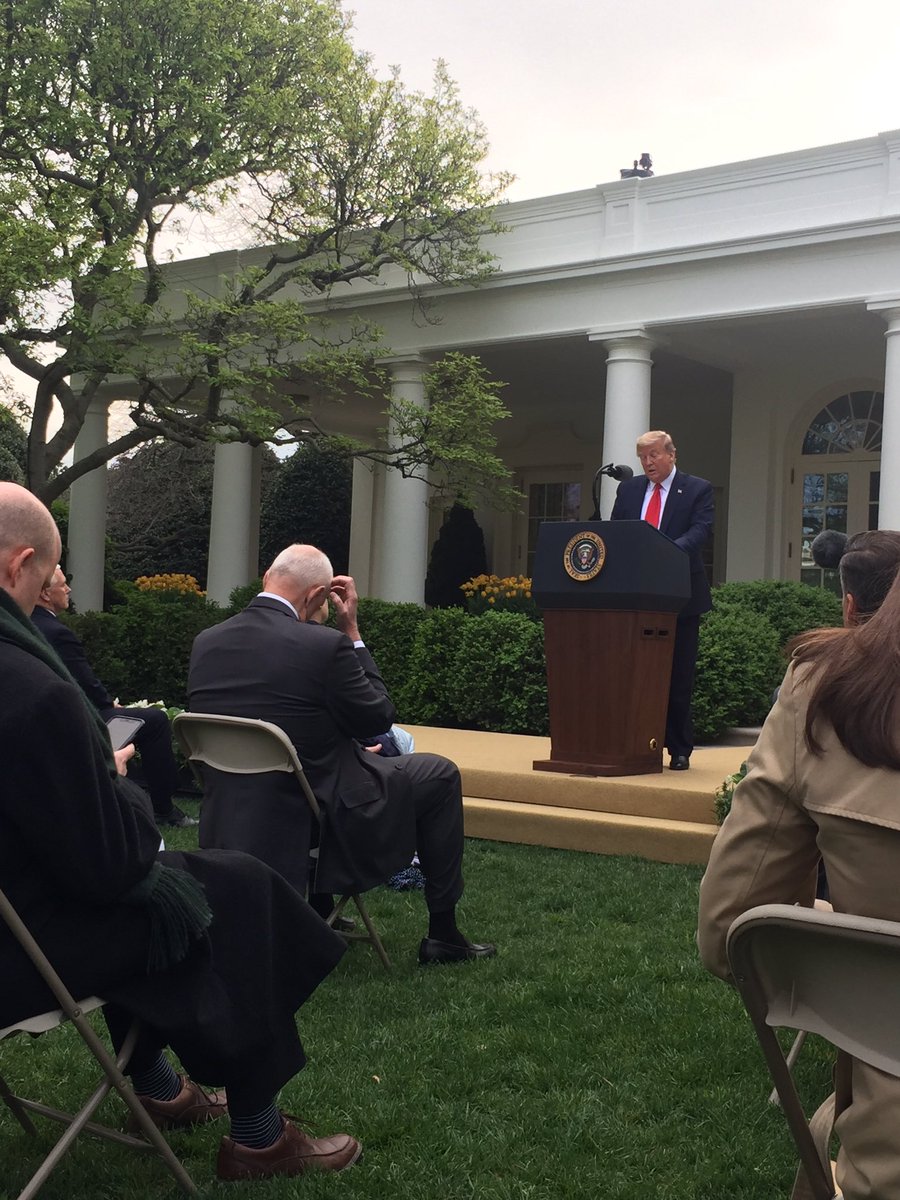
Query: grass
point(593, 1057)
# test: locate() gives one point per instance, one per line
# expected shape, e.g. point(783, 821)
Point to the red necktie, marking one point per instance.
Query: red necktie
point(653, 508)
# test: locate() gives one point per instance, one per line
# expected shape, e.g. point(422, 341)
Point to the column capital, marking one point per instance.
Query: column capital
point(412, 363)
point(888, 308)
point(632, 344)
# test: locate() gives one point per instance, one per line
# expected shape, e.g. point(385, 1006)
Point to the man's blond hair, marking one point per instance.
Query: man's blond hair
point(655, 435)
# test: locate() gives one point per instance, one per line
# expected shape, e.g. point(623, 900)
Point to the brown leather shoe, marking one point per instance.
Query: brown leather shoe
point(192, 1106)
point(294, 1153)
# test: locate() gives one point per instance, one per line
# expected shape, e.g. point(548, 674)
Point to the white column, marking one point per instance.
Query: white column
point(231, 533)
point(361, 525)
point(86, 553)
point(889, 492)
point(402, 550)
point(627, 411)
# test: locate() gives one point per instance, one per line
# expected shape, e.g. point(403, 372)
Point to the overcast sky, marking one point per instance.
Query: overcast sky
point(572, 90)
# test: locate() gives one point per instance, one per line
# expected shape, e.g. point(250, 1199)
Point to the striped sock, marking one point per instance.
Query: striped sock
point(258, 1131)
point(159, 1083)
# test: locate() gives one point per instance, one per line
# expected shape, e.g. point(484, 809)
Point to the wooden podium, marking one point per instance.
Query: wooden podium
point(611, 592)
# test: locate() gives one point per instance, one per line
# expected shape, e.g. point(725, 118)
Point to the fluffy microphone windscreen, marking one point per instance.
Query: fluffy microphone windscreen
point(828, 547)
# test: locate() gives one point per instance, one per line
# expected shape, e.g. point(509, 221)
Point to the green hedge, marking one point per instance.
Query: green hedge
point(447, 667)
point(739, 664)
point(789, 607)
point(424, 697)
point(389, 631)
point(141, 649)
point(498, 681)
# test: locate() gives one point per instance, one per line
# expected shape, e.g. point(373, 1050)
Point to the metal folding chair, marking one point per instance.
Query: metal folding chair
point(246, 746)
point(828, 973)
point(113, 1078)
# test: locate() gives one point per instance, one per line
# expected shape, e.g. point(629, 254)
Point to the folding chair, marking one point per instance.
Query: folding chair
point(246, 746)
point(76, 1011)
point(828, 973)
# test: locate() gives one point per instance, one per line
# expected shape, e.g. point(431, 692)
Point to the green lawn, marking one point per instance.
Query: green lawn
point(592, 1058)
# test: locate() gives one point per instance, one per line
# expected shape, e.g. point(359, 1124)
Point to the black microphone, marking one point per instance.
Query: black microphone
point(614, 472)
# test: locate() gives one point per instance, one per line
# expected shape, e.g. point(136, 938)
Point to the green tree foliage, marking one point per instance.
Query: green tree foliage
point(309, 501)
point(457, 555)
point(158, 505)
point(116, 119)
point(13, 445)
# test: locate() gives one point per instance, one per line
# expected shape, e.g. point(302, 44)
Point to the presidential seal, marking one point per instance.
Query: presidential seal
point(584, 556)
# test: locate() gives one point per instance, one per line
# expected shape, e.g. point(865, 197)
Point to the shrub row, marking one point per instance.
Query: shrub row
point(447, 667)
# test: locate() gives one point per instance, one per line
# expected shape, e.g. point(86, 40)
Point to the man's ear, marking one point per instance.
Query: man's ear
point(18, 563)
point(316, 597)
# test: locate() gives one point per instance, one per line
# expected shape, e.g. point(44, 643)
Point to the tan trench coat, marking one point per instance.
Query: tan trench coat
point(791, 807)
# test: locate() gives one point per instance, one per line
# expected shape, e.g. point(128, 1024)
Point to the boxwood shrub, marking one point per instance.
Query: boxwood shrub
point(739, 664)
point(789, 607)
point(424, 697)
point(498, 680)
point(389, 631)
point(141, 649)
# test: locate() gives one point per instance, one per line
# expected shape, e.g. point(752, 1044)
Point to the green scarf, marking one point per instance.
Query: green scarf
point(175, 901)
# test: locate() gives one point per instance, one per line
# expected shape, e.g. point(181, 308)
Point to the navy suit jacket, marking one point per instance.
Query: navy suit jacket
point(687, 520)
point(68, 646)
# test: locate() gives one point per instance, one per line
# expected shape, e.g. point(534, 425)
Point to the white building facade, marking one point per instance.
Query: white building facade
point(752, 310)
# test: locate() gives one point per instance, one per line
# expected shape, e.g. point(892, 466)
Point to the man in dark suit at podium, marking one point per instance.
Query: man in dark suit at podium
point(681, 507)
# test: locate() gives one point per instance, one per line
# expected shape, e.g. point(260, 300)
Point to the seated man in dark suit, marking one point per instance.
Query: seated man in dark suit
point(321, 686)
point(153, 740)
point(214, 951)
point(680, 506)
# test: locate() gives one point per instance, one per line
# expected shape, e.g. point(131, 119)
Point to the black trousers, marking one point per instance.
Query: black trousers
point(437, 795)
point(437, 803)
point(679, 725)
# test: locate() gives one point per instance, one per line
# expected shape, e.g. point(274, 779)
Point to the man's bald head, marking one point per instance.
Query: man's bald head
point(29, 545)
point(301, 574)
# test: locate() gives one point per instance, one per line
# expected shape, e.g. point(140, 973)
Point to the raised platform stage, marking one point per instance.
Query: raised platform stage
point(666, 817)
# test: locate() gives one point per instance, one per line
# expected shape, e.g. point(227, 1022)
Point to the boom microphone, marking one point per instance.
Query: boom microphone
point(828, 547)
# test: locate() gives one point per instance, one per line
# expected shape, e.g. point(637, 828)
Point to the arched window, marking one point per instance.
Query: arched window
point(852, 422)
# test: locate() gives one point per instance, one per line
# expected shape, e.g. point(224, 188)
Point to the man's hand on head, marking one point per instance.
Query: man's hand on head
point(345, 600)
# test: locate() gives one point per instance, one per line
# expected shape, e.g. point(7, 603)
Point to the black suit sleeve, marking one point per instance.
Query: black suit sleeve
point(618, 513)
point(68, 646)
point(357, 697)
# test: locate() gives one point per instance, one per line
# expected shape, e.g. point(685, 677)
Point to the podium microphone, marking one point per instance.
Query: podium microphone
point(614, 471)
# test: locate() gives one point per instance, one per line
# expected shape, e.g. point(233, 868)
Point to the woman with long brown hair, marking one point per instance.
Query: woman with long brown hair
point(824, 780)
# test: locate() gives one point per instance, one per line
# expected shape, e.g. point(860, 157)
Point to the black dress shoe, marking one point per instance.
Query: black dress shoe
point(434, 951)
point(679, 762)
point(176, 819)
